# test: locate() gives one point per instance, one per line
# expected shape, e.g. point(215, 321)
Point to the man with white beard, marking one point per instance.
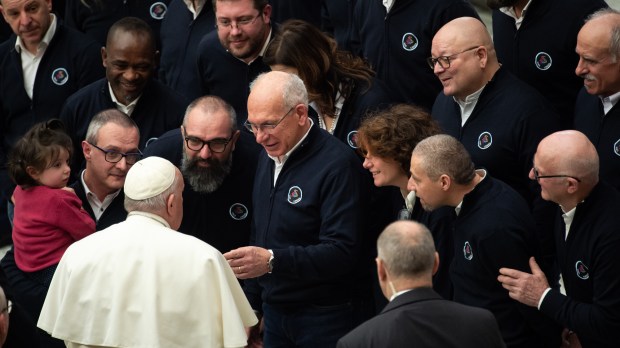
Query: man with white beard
point(218, 164)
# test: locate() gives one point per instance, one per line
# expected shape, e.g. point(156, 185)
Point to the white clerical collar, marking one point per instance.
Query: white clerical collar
point(45, 41)
point(609, 102)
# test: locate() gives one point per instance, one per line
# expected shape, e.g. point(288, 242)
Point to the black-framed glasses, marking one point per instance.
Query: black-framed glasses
point(8, 308)
point(444, 61)
point(265, 127)
point(113, 156)
point(225, 23)
point(214, 145)
point(537, 175)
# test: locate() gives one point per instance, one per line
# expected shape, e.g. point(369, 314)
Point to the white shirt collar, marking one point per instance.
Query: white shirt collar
point(45, 41)
point(288, 154)
point(510, 11)
point(388, 5)
point(262, 51)
point(200, 4)
point(609, 102)
point(127, 109)
point(467, 106)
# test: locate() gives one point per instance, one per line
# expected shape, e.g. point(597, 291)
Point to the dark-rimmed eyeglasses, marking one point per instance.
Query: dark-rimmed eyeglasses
point(225, 23)
point(113, 156)
point(8, 308)
point(265, 127)
point(537, 176)
point(214, 145)
point(444, 61)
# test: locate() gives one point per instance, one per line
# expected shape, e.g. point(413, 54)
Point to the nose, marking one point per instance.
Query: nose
point(438, 69)
point(260, 135)
point(411, 184)
point(367, 164)
point(122, 164)
point(581, 68)
point(130, 74)
point(234, 29)
point(24, 19)
point(205, 152)
point(531, 174)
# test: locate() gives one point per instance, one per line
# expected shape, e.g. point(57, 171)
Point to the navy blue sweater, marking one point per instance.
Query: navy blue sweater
point(494, 229)
point(546, 62)
point(397, 44)
point(312, 219)
point(603, 131)
point(221, 218)
point(589, 261)
point(180, 36)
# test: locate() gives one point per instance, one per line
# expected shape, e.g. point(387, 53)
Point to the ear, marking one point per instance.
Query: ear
point(483, 56)
point(33, 173)
point(436, 263)
point(86, 149)
point(381, 272)
point(234, 139)
point(170, 204)
point(445, 182)
point(301, 110)
point(267, 14)
point(104, 57)
point(573, 185)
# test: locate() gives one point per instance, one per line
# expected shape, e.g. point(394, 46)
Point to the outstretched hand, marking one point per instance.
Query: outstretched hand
point(524, 287)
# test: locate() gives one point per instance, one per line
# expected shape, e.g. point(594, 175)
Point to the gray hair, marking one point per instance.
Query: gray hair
point(293, 91)
point(210, 104)
point(108, 116)
point(407, 249)
point(614, 42)
point(443, 154)
point(155, 204)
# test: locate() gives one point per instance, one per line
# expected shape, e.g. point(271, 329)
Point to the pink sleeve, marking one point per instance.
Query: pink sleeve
point(72, 218)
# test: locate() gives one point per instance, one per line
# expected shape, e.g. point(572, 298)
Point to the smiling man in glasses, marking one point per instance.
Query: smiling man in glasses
point(218, 163)
point(498, 118)
point(587, 236)
point(230, 57)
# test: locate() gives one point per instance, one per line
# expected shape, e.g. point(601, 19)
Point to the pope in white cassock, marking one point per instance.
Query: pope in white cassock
point(140, 283)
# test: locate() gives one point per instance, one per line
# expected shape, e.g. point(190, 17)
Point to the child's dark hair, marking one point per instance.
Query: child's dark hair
point(38, 148)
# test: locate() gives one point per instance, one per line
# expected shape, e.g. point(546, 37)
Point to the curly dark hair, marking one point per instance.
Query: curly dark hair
point(39, 147)
point(324, 68)
point(394, 132)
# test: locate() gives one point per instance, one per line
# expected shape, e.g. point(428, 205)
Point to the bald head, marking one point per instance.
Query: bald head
point(465, 31)
point(569, 152)
point(602, 30)
point(407, 249)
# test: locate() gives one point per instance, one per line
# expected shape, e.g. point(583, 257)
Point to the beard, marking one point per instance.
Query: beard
point(497, 4)
point(205, 179)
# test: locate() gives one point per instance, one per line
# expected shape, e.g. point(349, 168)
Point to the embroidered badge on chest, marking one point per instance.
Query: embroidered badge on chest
point(582, 270)
point(60, 76)
point(294, 195)
point(468, 252)
point(352, 139)
point(238, 211)
point(410, 42)
point(543, 61)
point(158, 10)
point(617, 148)
point(485, 139)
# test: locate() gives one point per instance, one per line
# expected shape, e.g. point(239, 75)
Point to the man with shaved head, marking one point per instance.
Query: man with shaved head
point(498, 118)
point(597, 114)
point(587, 235)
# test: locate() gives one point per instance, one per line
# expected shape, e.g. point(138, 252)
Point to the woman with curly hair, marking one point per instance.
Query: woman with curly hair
point(341, 87)
point(386, 140)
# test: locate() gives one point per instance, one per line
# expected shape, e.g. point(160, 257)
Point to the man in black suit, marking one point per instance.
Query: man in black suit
point(406, 262)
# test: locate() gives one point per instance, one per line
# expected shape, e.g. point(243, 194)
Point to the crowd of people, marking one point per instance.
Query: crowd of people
point(284, 173)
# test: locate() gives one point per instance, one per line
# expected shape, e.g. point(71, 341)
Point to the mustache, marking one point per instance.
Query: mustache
point(588, 77)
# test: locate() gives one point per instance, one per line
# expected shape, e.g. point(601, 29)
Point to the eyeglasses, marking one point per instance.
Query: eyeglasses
point(115, 156)
point(265, 127)
point(8, 307)
point(215, 145)
point(444, 61)
point(225, 23)
point(537, 176)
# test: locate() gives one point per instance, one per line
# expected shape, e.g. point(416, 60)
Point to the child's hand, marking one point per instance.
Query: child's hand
point(67, 188)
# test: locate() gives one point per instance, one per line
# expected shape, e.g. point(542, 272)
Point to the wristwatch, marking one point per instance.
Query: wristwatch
point(270, 264)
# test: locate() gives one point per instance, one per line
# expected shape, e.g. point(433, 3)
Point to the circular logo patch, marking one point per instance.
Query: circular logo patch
point(467, 251)
point(410, 42)
point(543, 61)
point(582, 270)
point(617, 147)
point(485, 140)
point(60, 76)
point(352, 139)
point(158, 10)
point(238, 211)
point(294, 195)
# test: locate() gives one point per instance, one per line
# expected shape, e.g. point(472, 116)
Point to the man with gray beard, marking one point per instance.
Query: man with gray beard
point(218, 163)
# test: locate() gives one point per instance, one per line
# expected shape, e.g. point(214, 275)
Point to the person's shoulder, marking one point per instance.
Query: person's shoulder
point(74, 40)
